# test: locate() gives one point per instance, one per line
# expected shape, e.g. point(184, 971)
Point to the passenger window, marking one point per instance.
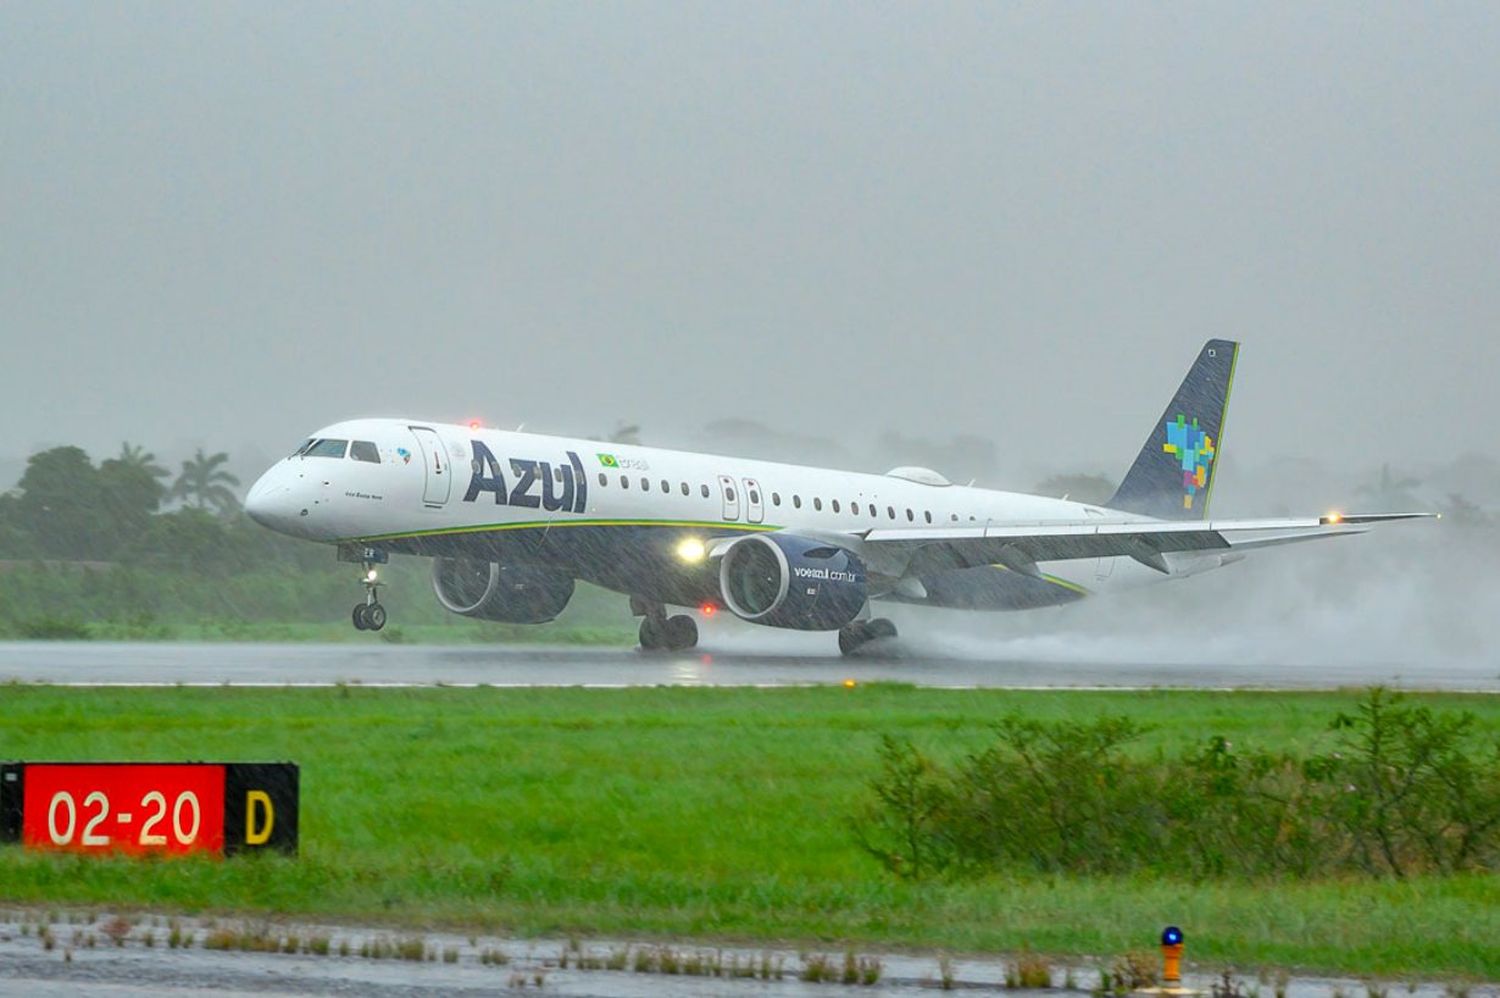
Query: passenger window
point(704, 490)
point(955, 517)
point(729, 494)
point(363, 450)
point(872, 510)
point(928, 514)
point(603, 479)
point(327, 448)
point(797, 501)
point(854, 508)
point(624, 482)
point(890, 511)
point(684, 488)
point(754, 498)
point(557, 473)
point(666, 486)
point(910, 516)
point(835, 505)
point(775, 498)
point(817, 504)
point(645, 484)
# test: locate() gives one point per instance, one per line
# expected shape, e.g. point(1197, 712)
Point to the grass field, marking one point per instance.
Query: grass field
point(698, 813)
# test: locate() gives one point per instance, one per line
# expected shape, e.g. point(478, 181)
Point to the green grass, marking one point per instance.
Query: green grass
point(698, 813)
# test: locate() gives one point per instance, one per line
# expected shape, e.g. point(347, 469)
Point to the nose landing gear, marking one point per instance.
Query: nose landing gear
point(370, 615)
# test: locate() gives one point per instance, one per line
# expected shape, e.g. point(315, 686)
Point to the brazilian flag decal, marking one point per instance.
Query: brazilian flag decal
point(608, 460)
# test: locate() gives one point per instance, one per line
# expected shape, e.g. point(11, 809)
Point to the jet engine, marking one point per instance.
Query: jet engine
point(511, 594)
point(783, 580)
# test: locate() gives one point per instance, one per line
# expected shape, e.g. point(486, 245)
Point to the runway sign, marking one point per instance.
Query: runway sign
point(150, 807)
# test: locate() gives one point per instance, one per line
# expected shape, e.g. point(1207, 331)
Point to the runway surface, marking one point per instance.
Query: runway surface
point(511, 665)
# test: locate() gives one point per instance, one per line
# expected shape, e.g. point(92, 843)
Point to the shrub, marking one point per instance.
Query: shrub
point(1404, 790)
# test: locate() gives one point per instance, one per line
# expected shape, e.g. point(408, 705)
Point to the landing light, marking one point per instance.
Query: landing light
point(1334, 516)
point(371, 575)
point(691, 550)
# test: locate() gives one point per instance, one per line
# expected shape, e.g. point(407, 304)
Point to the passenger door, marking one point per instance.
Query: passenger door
point(439, 483)
point(730, 497)
point(755, 507)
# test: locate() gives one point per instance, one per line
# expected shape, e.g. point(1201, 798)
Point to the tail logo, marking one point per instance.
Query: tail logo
point(1194, 450)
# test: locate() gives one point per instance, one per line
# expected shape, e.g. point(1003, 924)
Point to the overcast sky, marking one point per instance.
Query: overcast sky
point(229, 224)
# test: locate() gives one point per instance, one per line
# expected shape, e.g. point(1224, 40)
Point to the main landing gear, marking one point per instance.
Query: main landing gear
point(853, 637)
point(660, 632)
point(370, 615)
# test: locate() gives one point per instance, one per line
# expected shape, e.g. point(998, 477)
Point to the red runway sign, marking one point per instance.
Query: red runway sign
point(138, 808)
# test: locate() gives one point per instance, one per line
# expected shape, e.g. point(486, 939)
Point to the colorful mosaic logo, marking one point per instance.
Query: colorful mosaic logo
point(1194, 451)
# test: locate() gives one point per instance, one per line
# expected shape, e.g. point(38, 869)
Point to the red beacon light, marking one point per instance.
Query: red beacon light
point(709, 609)
point(475, 424)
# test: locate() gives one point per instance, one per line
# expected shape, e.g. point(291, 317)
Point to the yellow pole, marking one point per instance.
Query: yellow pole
point(1171, 957)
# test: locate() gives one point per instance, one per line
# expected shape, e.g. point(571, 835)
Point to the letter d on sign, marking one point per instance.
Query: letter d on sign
point(258, 808)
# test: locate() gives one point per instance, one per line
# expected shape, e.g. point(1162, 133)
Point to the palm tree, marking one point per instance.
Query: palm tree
point(203, 483)
point(135, 456)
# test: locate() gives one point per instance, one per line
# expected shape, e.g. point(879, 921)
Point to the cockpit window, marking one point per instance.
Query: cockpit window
point(301, 450)
point(326, 448)
point(363, 450)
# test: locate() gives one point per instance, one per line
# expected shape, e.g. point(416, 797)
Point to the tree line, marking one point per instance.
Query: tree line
point(130, 509)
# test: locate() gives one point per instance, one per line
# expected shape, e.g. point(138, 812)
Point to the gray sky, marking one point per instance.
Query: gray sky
point(230, 224)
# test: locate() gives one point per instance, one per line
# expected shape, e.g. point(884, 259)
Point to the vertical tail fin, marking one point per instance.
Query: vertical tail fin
point(1173, 476)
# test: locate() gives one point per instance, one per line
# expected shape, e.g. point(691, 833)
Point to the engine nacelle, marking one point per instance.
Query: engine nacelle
point(783, 580)
point(511, 594)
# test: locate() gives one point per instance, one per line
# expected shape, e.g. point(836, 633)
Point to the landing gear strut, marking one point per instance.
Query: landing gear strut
point(660, 632)
point(370, 615)
point(853, 637)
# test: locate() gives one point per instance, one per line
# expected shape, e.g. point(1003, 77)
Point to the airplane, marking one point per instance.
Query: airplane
point(513, 520)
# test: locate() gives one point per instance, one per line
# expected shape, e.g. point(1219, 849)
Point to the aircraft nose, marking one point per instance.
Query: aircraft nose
point(267, 501)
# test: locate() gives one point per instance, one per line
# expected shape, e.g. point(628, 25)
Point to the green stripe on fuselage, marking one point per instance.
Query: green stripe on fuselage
point(485, 528)
point(1055, 580)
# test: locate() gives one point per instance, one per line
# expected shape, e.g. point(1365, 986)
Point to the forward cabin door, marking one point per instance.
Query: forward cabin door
point(727, 490)
point(755, 507)
point(439, 472)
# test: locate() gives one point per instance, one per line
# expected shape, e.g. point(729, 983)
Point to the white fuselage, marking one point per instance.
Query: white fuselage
point(585, 506)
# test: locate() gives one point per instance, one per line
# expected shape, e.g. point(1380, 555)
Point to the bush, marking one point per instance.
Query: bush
point(1403, 790)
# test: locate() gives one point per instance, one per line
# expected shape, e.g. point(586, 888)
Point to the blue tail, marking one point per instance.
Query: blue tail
point(1173, 476)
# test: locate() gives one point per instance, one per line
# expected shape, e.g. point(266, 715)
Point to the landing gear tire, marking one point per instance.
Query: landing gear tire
point(653, 634)
point(369, 616)
point(853, 637)
point(681, 632)
point(677, 633)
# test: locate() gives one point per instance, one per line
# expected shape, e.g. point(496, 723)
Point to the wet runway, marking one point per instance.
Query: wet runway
point(511, 665)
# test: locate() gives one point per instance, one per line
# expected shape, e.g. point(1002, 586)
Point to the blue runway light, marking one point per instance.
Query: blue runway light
point(1171, 936)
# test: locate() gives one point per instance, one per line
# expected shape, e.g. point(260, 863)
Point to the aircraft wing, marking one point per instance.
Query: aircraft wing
point(1019, 546)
